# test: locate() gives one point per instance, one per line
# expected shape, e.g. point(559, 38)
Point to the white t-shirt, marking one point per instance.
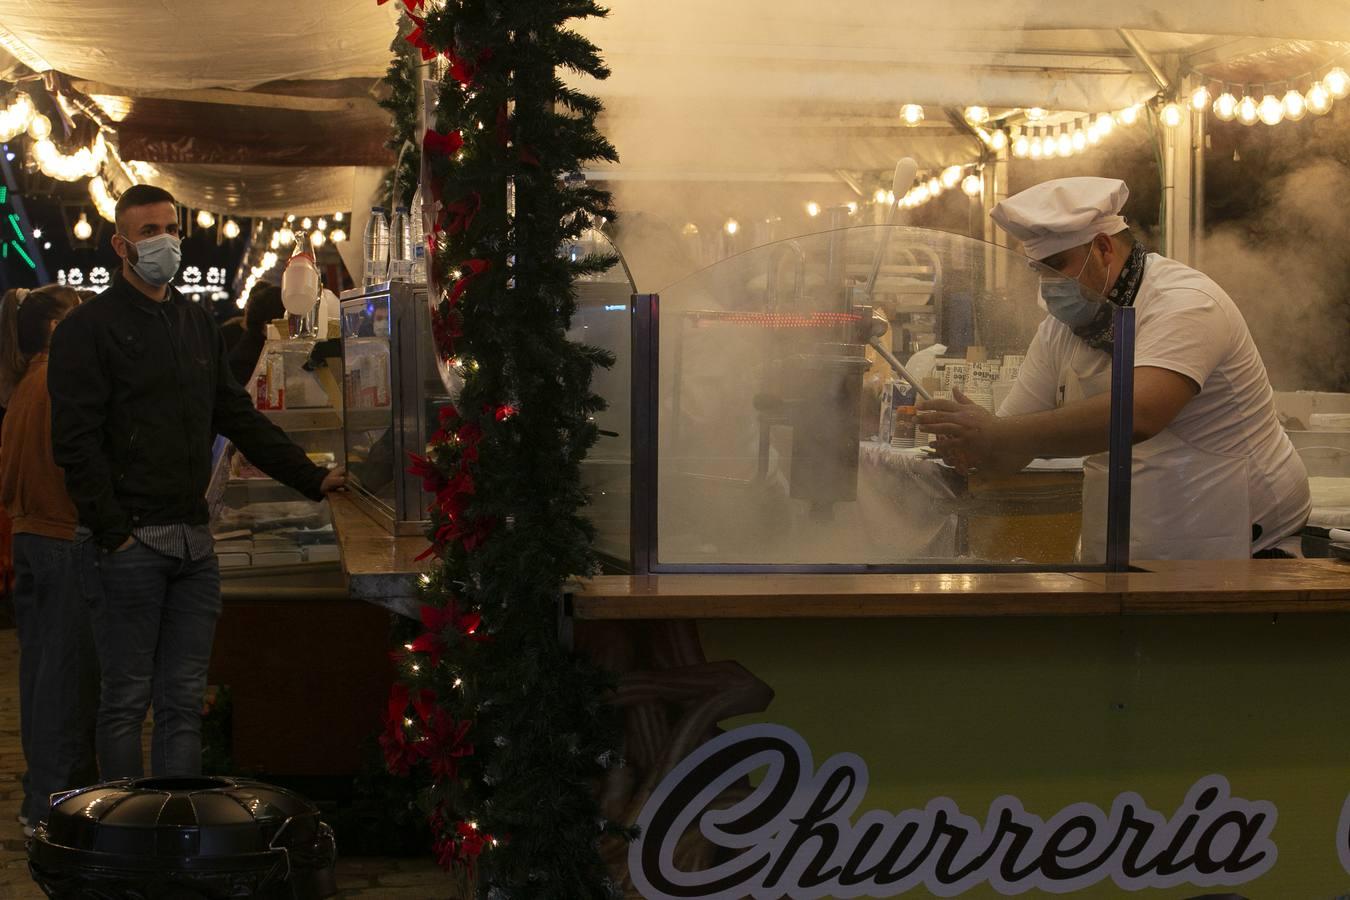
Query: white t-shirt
point(1187, 324)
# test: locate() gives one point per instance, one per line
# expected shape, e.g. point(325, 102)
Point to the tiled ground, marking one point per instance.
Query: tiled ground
point(394, 879)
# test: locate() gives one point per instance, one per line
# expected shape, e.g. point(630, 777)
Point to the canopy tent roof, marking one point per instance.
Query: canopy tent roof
point(225, 97)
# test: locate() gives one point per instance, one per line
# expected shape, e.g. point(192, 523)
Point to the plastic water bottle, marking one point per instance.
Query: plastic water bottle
point(400, 254)
point(418, 240)
point(377, 247)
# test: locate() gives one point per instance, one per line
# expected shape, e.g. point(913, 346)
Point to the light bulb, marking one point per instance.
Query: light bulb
point(338, 235)
point(290, 219)
point(318, 239)
point(1337, 82)
point(911, 114)
point(322, 224)
point(813, 209)
point(1319, 99)
point(230, 229)
point(37, 234)
point(1035, 114)
point(83, 230)
point(1225, 107)
point(852, 208)
point(1247, 111)
point(1094, 134)
point(972, 185)
point(1270, 110)
point(1295, 107)
point(879, 196)
point(977, 115)
point(1037, 149)
point(1129, 115)
point(40, 128)
point(337, 217)
point(1022, 146)
point(921, 194)
point(731, 226)
point(276, 240)
point(205, 219)
point(1199, 98)
point(286, 235)
point(998, 140)
point(951, 177)
point(1079, 142)
point(1105, 123)
point(307, 223)
point(1171, 115)
point(1064, 144)
point(934, 186)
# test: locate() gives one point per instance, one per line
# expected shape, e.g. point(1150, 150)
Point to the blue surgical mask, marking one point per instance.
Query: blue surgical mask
point(157, 258)
point(1066, 300)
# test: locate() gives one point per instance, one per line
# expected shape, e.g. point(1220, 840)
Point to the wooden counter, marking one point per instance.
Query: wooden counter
point(1242, 586)
point(383, 569)
point(380, 568)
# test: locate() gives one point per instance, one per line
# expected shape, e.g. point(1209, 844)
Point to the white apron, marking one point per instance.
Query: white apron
point(1185, 503)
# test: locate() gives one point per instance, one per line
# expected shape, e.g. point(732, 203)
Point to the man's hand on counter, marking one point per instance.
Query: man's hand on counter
point(335, 480)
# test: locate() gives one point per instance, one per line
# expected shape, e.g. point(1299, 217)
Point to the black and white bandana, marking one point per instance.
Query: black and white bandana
point(1099, 334)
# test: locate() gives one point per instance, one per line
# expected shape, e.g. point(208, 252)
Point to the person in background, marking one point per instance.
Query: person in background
point(1214, 474)
point(264, 306)
point(58, 670)
point(140, 389)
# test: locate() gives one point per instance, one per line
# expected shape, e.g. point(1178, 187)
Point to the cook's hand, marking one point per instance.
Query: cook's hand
point(967, 434)
point(335, 480)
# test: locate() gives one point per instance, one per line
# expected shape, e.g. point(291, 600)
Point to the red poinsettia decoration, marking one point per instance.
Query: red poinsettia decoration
point(400, 748)
point(461, 848)
point(411, 4)
point(504, 412)
point(438, 144)
point(417, 37)
point(469, 270)
point(446, 744)
point(459, 215)
point(437, 620)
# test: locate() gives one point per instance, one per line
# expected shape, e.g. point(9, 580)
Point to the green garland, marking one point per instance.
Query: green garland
point(401, 102)
point(512, 727)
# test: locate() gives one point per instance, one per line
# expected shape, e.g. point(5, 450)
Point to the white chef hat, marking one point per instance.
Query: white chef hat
point(1067, 212)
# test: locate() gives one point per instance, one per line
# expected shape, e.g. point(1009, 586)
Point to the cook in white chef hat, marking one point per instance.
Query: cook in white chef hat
point(1058, 215)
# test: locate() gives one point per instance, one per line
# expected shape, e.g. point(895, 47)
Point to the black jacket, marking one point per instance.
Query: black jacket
point(139, 391)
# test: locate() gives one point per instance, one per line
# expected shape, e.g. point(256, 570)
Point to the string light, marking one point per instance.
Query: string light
point(83, 163)
point(102, 198)
point(317, 239)
point(880, 195)
point(1064, 143)
point(1225, 107)
point(1319, 99)
point(951, 177)
point(1171, 115)
point(230, 229)
point(1200, 98)
point(998, 140)
point(1079, 141)
point(731, 226)
point(307, 223)
point(1247, 112)
point(40, 128)
point(813, 209)
point(972, 185)
point(1129, 115)
point(205, 219)
point(322, 224)
point(977, 115)
point(1295, 107)
point(337, 235)
point(1270, 110)
point(1036, 114)
point(337, 217)
point(1021, 146)
point(911, 114)
point(83, 230)
point(286, 235)
point(15, 118)
point(1337, 82)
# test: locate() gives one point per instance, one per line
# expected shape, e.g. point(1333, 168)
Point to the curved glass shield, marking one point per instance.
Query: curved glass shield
point(788, 381)
point(603, 319)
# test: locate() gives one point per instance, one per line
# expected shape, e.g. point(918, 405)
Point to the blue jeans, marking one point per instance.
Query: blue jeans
point(154, 622)
point(58, 671)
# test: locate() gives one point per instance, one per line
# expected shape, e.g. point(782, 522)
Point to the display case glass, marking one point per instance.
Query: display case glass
point(774, 434)
point(259, 523)
point(392, 391)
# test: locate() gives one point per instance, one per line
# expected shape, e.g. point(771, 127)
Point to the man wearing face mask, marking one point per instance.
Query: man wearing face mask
point(1214, 474)
point(140, 387)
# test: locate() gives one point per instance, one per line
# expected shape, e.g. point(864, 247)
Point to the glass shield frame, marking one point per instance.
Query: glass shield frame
point(805, 311)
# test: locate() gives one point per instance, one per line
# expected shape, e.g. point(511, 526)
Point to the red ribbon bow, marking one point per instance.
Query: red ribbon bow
point(438, 144)
point(417, 37)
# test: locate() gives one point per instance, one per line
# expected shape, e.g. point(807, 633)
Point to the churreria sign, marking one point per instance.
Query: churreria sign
point(796, 834)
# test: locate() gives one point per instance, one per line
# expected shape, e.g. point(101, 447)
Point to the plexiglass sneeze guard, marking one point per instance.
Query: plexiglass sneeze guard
point(771, 433)
point(392, 391)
